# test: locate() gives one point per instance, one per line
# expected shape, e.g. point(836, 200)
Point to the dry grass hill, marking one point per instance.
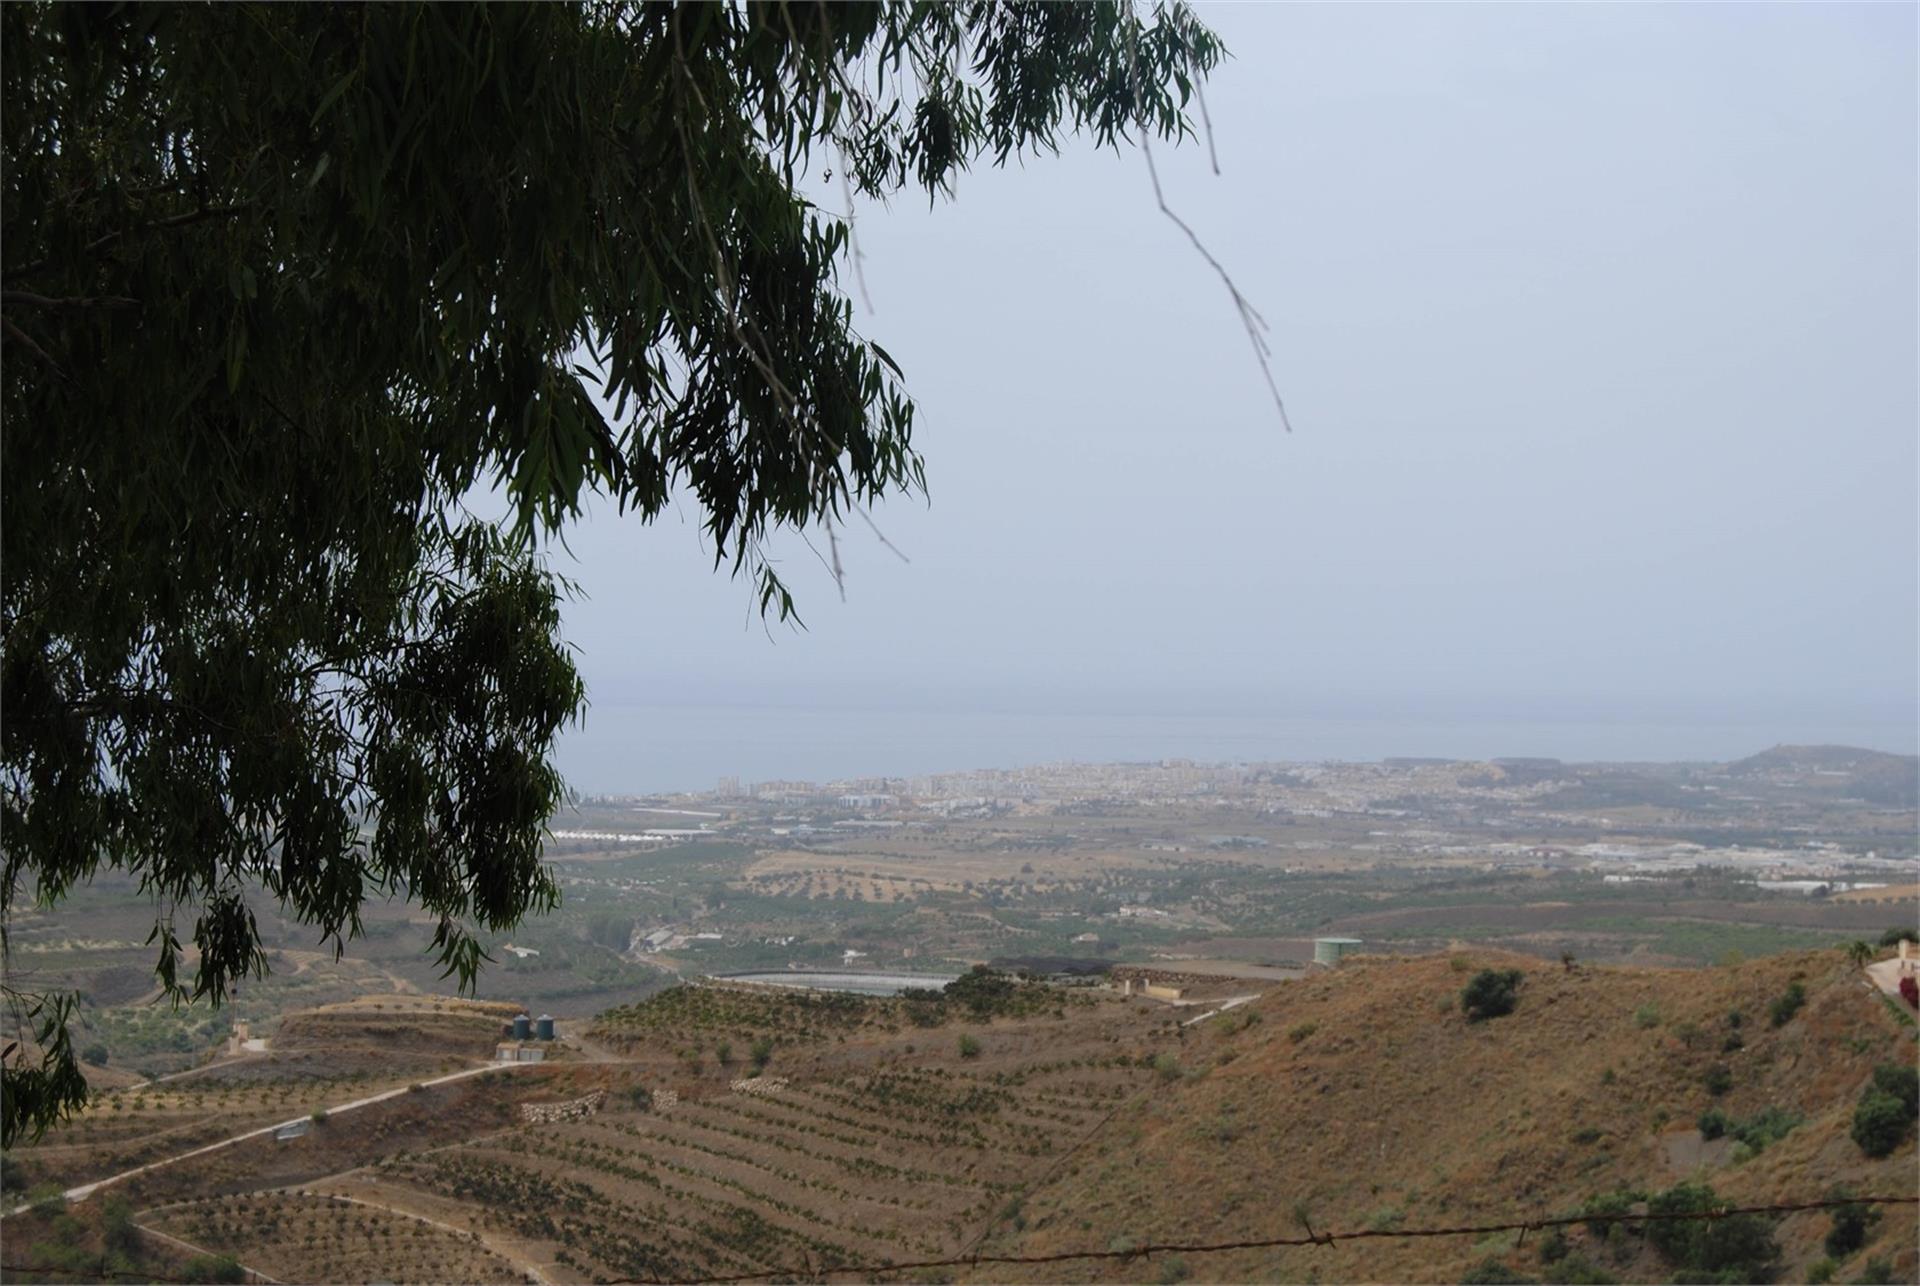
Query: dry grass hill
point(1365, 1099)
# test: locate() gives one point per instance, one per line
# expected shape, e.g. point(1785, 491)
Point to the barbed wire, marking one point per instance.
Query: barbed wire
point(815, 1271)
point(1309, 1238)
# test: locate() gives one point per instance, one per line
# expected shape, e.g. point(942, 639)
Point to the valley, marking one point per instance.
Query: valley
point(722, 1130)
point(1114, 1035)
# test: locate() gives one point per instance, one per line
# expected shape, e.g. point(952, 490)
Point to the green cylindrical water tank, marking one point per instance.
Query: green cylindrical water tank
point(543, 1027)
point(1329, 951)
point(522, 1027)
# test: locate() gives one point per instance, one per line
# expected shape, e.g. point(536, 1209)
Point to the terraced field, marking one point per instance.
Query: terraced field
point(911, 1161)
point(131, 1127)
point(330, 1055)
point(298, 1236)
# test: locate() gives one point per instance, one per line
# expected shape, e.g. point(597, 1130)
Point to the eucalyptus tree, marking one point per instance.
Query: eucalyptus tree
point(284, 283)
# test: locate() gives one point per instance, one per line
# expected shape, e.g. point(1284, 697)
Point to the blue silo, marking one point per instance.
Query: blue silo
point(522, 1026)
point(543, 1027)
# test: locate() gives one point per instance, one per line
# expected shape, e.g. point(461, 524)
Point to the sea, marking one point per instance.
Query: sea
point(627, 746)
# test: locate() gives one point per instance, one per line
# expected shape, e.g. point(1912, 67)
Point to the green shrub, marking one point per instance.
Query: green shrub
point(1492, 994)
point(641, 1097)
point(213, 1268)
point(1578, 1270)
point(1880, 1122)
point(1820, 1272)
point(1900, 1082)
point(1646, 1016)
point(1713, 1123)
point(762, 1053)
point(1786, 1005)
point(94, 1055)
point(1617, 1202)
point(47, 1199)
point(1553, 1247)
point(1878, 1272)
point(1849, 1230)
point(15, 1174)
point(1892, 937)
point(1765, 1128)
point(982, 990)
point(116, 1228)
point(318, 1116)
point(1736, 1247)
point(1718, 1080)
point(1300, 1031)
point(969, 1045)
point(1168, 1066)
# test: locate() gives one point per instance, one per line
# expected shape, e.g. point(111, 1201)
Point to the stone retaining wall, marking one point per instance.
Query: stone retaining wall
point(571, 1110)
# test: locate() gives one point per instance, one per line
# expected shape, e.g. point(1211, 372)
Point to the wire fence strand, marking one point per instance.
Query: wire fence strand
point(814, 1272)
point(1308, 1238)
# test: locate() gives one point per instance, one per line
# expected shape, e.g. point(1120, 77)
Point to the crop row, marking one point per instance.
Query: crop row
point(576, 1155)
point(792, 1017)
point(327, 1239)
point(965, 1134)
point(858, 1166)
point(531, 1204)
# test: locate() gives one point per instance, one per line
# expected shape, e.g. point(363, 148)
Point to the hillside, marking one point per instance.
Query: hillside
point(1365, 1099)
point(1806, 759)
point(1009, 1118)
point(1891, 781)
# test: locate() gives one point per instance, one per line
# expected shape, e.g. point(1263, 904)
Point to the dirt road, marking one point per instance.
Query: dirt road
point(86, 1190)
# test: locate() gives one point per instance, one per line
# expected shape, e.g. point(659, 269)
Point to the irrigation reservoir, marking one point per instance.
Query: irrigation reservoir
point(859, 984)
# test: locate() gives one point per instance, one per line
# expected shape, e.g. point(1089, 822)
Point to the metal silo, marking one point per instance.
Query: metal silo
point(1329, 951)
point(522, 1027)
point(543, 1027)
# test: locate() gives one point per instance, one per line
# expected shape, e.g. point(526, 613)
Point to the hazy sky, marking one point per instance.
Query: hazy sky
point(1597, 325)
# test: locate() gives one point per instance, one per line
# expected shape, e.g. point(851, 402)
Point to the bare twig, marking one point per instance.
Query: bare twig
point(853, 235)
point(21, 337)
point(881, 536)
point(72, 304)
point(1206, 118)
point(833, 548)
point(812, 549)
point(1250, 317)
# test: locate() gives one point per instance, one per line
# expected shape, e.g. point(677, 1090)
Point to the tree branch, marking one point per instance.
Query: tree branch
point(73, 303)
point(159, 225)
